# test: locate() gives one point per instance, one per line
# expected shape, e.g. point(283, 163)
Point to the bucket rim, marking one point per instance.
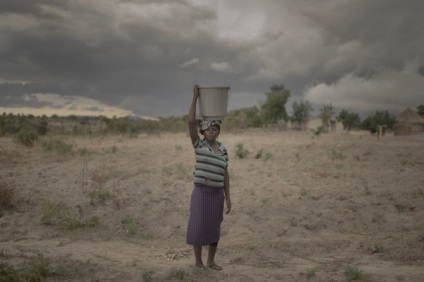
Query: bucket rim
point(205, 87)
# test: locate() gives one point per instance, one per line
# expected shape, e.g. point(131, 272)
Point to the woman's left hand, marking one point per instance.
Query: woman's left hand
point(228, 203)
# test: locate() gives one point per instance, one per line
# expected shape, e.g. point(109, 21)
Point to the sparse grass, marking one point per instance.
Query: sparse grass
point(367, 153)
point(310, 272)
point(99, 195)
point(376, 248)
point(111, 150)
point(178, 274)
point(147, 235)
point(304, 192)
point(147, 276)
point(57, 145)
point(130, 225)
point(178, 170)
point(267, 156)
point(52, 212)
point(240, 151)
point(56, 213)
point(40, 268)
point(7, 193)
point(83, 152)
point(336, 155)
point(401, 207)
point(419, 192)
point(354, 273)
point(264, 201)
point(34, 269)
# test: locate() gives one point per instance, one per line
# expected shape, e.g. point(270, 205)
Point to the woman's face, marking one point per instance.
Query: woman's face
point(211, 133)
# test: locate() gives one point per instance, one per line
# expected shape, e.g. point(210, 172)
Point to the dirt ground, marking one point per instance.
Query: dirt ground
point(305, 208)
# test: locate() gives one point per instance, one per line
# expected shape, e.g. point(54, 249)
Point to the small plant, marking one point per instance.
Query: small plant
point(83, 152)
point(267, 156)
point(178, 274)
point(310, 272)
point(52, 212)
point(7, 192)
point(354, 273)
point(337, 155)
point(376, 248)
point(240, 151)
point(264, 201)
point(130, 225)
point(304, 192)
point(367, 153)
point(71, 223)
point(317, 132)
point(111, 150)
point(100, 195)
point(147, 276)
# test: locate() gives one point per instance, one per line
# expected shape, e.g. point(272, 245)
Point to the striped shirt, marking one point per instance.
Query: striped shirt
point(210, 167)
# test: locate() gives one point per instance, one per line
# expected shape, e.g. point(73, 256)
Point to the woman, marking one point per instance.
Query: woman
point(211, 187)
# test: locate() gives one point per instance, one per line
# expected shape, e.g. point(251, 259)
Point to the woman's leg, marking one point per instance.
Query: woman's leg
point(211, 257)
point(198, 256)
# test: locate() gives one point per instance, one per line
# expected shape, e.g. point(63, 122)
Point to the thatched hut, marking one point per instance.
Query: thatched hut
point(409, 122)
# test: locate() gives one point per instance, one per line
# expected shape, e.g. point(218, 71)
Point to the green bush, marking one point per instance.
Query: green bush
point(57, 145)
point(27, 136)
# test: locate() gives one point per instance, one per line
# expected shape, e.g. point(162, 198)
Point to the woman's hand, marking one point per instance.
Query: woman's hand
point(228, 203)
point(196, 91)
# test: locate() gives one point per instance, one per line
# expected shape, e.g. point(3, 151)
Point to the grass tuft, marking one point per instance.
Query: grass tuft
point(7, 193)
point(178, 274)
point(130, 225)
point(354, 273)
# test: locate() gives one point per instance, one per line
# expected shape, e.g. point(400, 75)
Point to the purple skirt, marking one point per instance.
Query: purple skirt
point(206, 215)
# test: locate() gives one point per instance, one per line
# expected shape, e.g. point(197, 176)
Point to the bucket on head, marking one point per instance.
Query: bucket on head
point(213, 102)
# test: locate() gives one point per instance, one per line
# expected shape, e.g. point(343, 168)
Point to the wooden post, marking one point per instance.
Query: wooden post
point(380, 131)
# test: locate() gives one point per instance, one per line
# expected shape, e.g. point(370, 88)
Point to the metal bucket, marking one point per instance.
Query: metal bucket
point(213, 102)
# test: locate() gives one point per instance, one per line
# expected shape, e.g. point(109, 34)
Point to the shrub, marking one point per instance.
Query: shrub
point(27, 136)
point(57, 145)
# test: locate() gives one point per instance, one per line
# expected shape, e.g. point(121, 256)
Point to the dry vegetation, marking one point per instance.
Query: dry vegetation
point(338, 207)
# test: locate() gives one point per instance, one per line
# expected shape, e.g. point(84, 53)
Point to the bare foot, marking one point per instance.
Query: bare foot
point(215, 266)
point(200, 266)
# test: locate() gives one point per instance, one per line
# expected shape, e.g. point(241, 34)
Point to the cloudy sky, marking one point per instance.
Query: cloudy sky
point(130, 57)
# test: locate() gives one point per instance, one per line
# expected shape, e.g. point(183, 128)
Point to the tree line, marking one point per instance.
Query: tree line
point(270, 113)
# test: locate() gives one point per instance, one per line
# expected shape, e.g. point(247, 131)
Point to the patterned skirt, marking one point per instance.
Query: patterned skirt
point(206, 215)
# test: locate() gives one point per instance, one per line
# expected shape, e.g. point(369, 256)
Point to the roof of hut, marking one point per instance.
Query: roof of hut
point(409, 116)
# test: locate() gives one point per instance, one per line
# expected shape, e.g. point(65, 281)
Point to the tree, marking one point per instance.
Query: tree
point(301, 112)
point(243, 118)
point(326, 115)
point(420, 110)
point(371, 123)
point(274, 108)
point(348, 119)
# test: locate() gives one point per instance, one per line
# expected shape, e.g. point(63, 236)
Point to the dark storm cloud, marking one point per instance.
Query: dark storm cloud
point(145, 56)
